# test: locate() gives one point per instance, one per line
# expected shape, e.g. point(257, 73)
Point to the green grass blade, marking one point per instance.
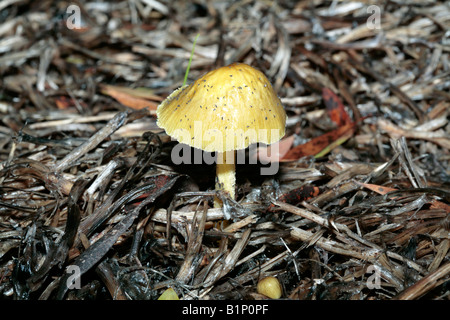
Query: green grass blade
point(190, 59)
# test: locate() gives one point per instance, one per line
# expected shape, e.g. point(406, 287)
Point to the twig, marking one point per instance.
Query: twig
point(424, 285)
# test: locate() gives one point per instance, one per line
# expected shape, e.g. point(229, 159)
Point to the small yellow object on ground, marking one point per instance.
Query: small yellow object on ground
point(270, 287)
point(169, 294)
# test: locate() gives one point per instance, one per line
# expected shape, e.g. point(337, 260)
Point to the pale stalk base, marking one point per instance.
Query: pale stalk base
point(225, 176)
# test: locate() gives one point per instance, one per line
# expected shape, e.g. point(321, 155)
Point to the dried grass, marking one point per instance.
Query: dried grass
point(86, 178)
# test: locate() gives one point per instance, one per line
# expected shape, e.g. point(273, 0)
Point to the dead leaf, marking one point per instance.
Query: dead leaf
point(335, 108)
point(298, 195)
point(138, 98)
point(321, 144)
point(275, 151)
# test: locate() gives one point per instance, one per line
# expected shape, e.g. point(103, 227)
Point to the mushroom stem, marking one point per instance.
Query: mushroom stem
point(225, 175)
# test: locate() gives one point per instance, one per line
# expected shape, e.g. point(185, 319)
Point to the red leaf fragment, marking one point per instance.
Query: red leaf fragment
point(317, 144)
point(298, 195)
point(335, 108)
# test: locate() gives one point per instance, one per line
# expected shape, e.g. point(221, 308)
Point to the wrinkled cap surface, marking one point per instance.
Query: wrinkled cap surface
point(227, 109)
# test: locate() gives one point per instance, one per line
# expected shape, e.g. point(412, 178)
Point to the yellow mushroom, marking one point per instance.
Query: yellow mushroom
point(225, 110)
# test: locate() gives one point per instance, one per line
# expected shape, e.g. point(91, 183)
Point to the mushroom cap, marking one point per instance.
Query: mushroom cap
point(226, 109)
